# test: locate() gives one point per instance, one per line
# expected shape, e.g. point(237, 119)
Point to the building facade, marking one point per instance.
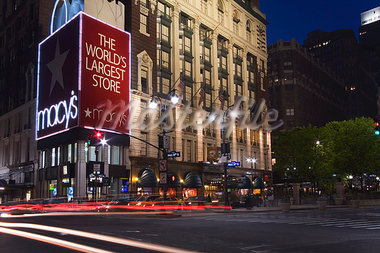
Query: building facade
point(370, 41)
point(208, 60)
point(341, 51)
point(303, 89)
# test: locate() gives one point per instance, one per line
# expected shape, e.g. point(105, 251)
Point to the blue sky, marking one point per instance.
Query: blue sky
point(295, 18)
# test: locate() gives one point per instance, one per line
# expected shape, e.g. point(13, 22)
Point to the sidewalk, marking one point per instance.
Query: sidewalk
point(277, 208)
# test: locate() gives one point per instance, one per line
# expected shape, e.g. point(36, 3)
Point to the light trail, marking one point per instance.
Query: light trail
point(6, 215)
point(54, 241)
point(107, 238)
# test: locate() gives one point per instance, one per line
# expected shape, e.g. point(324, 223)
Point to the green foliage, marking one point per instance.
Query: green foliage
point(341, 148)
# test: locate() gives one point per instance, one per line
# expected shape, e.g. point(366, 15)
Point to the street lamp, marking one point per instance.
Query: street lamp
point(251, 161)
point(153, 104)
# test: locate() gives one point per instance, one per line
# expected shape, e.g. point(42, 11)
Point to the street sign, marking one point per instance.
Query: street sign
point(174, 154)
point(163, 177)
point(70, 193)
point(233, 164)
point(162, 165)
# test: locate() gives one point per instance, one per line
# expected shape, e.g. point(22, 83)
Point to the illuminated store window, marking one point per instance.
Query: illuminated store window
point(53, 155)
point(116, 155)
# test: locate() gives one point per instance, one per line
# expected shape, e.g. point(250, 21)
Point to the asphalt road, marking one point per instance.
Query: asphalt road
point(333, 230)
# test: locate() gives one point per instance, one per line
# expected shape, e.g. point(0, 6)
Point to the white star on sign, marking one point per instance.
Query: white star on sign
point(88, 112)
point(55, 67)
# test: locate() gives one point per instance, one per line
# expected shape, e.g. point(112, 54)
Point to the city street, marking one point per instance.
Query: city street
point(334, 230)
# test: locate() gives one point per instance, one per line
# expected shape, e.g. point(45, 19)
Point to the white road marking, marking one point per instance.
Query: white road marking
point(54, 241)
point(107, 238)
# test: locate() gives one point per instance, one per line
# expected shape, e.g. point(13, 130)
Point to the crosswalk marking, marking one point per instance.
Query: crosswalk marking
point(307, 221)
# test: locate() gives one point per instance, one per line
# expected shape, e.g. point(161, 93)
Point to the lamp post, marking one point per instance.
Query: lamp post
point(251, 161)
point(226, 149)
point(164, 145)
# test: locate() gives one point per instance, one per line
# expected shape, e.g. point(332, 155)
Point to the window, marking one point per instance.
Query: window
point(187, 44)
point(188, 151)
point(163, 9)
point(207, 77)
point(143, 23)
point(69, 153)
point(224, 63)
point(53, 155)
point(220, 12)
point(289, 112)
point(236, 28)
point(188, 68)
point(248, 32)
point(204, 6)
point(115, 155)
point(207, 54)
point(165, 33)
point(144, 3)
point(144, 146)
point(144, 79)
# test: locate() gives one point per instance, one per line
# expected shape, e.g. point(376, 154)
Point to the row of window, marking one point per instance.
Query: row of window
point(69, 154)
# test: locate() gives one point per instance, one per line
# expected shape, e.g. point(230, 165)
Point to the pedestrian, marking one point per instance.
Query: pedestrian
point(271, 200)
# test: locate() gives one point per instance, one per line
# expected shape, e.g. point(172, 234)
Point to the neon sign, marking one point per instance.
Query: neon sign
point(80, 65)
point(55, 112)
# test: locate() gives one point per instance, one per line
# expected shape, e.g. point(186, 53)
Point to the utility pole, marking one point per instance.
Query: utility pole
point(226, 152)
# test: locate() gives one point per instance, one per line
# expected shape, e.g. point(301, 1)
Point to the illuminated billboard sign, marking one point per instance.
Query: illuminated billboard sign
point(370, 16)
point(83, 67)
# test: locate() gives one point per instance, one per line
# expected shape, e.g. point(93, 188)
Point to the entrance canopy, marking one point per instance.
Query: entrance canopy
point(147, 178)
point(192, 180)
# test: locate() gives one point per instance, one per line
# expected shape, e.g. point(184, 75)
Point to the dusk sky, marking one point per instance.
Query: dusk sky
point(295, 18)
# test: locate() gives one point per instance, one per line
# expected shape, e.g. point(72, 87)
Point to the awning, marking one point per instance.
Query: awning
point(147, 178)
point(192, 180)
point(245, 183)
point(173, 180)
point(257, 182)
point(240, 183)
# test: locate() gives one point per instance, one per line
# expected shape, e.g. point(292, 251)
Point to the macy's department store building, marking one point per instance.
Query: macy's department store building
point(89, 72)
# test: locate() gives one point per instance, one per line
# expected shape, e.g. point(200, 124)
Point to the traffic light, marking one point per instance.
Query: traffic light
point(377, 127)
point(94, 139)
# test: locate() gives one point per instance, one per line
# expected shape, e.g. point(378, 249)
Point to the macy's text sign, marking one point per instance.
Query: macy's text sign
point(81, 65)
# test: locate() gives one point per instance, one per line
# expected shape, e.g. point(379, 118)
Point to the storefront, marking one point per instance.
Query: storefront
point(192, 185)
point(146, 182)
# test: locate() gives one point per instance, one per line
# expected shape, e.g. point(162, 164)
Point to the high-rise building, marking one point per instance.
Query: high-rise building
point(304, 90)
point(341, 52)
point(370, 40)
point(209, 53)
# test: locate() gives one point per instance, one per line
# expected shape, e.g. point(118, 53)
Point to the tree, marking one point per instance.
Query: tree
point(316, 154)
point(354, 146)
point(300, 156)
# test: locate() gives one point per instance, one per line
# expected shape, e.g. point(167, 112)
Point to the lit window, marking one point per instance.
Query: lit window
point(143, 23)
point(289, 112)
